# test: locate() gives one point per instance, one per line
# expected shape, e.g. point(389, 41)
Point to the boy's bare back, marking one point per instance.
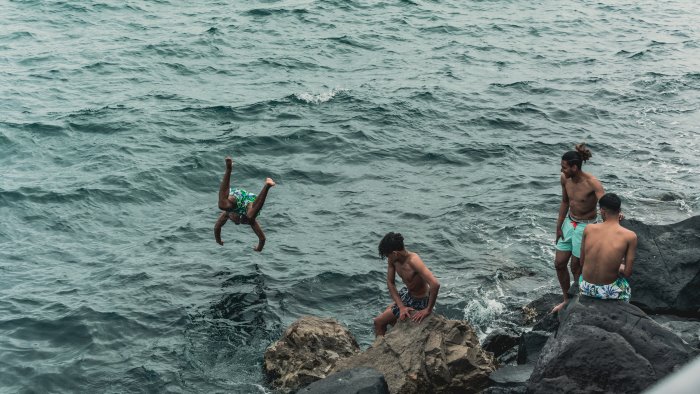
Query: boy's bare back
point(605, 247)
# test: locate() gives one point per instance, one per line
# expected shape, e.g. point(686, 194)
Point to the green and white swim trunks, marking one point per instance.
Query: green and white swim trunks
point(618, 290)
point(243, 198)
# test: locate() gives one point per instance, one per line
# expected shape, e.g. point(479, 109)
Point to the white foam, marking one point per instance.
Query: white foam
point(319, 98)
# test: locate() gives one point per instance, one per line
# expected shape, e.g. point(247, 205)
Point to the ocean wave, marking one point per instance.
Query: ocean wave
point(319, 98)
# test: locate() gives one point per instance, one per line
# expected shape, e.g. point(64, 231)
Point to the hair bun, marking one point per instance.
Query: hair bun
point(583, 151)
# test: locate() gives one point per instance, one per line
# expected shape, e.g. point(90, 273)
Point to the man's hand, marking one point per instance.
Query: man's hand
point(420, 315)
point(404, 312)
point(560, 234)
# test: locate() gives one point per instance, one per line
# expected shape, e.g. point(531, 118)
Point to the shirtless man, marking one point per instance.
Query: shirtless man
point(580, 194)
point(607, 254)
point(240, 206)
point(420, 292)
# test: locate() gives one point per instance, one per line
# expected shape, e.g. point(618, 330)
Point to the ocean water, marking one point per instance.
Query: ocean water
point(442, 120)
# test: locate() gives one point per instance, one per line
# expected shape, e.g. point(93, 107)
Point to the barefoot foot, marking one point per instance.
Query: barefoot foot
point(269, 182)
point(558, 307)
point(229, 163)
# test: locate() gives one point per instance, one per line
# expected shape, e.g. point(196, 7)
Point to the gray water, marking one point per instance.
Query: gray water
point(443, 120)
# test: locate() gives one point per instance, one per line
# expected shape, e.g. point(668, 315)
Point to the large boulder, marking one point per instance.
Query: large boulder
point(308, 351)
point(666, 273)
point(606, 346)
point(434, 356)
point(349, 381)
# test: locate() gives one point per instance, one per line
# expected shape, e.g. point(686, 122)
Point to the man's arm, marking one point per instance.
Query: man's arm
point(217, 227)
point(428, 276)
point(258, 231)
point(391, 285)
point(629, 256)
point(563, 208)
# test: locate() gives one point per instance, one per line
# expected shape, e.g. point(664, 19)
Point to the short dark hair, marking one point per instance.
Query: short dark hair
point(610, 202)
point(578, 156)
point(390, 243)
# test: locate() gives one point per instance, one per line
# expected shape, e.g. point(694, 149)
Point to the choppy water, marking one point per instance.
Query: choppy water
point(444, 120)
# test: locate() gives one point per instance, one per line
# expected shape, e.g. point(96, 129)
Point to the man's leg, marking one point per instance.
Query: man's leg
point(382, 321)
point(224, 202)
point(561, 260)
point(257, 205)
point(575, 268)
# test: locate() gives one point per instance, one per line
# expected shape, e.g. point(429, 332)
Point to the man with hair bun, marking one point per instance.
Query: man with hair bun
point(607, 254)
point(580, 194)
point(421, 287)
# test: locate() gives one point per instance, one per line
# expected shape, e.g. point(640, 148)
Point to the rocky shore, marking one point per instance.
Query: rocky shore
point(591, 346)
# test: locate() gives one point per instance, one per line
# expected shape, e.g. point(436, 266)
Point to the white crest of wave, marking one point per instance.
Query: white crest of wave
point(319, 98)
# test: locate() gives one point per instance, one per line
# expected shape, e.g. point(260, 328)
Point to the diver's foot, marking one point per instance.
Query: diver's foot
point(219, 241)
point(559, 307)
point(229, 163)
point(269, 182)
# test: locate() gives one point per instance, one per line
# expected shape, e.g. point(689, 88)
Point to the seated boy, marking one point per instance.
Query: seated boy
point(607, 254)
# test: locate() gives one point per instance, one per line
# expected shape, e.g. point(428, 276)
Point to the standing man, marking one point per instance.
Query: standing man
point(580, 194)
point(421, 287)
point(607, 254)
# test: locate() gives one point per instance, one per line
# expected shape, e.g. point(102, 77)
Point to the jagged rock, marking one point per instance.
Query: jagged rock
point(686, 328)
point(349, 381)
point(666, 273)
point(531, 343)
point(435, 356)
point(538, 309)
point(500, 341)
point(606, 346)
point(308, 351)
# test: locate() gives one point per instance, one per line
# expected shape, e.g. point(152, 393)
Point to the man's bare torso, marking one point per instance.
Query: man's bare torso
point(605, 247)
point(582, 197)
point(415, 284)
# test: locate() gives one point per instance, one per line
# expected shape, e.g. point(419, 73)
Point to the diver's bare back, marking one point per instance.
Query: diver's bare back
point(605, 248)
point(582, 196)
point(415, 283)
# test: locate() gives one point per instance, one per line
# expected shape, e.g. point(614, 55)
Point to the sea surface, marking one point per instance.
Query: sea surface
point(442, 120)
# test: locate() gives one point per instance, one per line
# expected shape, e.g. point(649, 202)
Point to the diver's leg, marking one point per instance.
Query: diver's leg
point(257, 205)
point(224, 202)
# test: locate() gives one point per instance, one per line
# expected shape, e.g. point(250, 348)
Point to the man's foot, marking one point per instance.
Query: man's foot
point(269, 182)
point(559, 306)
point(229, 163)
point(219, 241)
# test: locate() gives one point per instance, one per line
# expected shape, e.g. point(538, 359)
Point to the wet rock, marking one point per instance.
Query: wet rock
point(435, 356)
point(666, 273)
point(349, 381)
point(500, 341)
point(531, 343)
point(308, 351)
point(606, 346)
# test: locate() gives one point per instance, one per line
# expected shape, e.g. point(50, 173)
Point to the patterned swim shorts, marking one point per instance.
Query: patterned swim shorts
point(407, 300)
point(243, 198)
point(618, 290)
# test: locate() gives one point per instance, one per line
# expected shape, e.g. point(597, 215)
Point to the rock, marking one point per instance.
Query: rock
point(686, 328)
point(666, 272)
point(540, 308)
point(606, 346)
point(500, 341)
point(512, 376)
point(435, 356)
point(531, 343)
point(349, 381)
point(308, 351)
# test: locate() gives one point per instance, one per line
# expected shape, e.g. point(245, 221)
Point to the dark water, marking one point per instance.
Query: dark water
point(444, 120)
